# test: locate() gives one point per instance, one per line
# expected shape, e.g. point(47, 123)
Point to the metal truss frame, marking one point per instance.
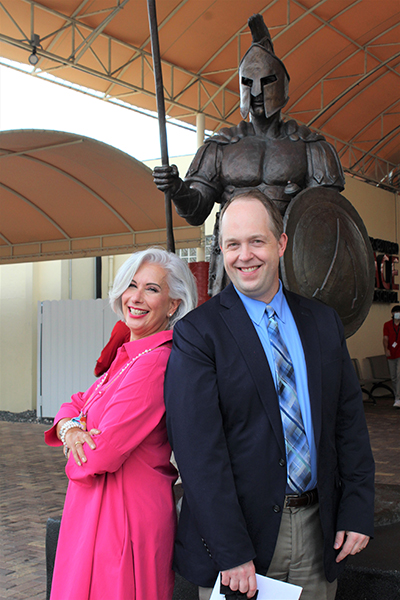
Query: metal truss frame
point(82, 40)
point(217, 102)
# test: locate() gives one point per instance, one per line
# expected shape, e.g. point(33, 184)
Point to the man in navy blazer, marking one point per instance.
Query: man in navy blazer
point(239, 515)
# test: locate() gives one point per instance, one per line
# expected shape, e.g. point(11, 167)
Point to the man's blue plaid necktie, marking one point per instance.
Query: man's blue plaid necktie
point(297, 449)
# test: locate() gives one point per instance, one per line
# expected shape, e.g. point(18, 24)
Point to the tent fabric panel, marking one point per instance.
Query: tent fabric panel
point(73, 207)
point(21, 222)
point(56, 185)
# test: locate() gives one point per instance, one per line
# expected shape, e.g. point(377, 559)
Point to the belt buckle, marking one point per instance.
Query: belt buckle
point(288, 497)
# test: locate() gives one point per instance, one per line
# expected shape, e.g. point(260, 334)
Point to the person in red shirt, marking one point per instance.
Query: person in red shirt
point(391, 345)
point(119, 335)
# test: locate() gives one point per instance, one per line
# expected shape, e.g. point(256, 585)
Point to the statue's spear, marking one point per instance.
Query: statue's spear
point(155, 49)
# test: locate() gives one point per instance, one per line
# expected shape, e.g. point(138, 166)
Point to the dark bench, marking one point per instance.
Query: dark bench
point(380, 372)
point(52, 531)
point(380, 376)
point(365, 384)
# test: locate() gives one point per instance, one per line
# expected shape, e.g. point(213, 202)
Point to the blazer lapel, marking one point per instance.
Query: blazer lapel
point(240, 325)
point(311, 346)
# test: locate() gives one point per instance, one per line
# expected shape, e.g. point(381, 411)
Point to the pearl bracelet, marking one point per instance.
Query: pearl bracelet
point(68, 425)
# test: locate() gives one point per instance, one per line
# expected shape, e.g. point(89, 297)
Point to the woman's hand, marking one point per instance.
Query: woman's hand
point(75, 438)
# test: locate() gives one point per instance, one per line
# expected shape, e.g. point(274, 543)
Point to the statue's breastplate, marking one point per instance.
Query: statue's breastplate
point(254, 161)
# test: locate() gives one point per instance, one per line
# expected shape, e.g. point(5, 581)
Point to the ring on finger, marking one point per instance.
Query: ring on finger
point(78, 443)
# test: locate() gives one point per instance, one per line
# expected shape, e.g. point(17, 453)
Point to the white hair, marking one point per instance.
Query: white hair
point(180, 281)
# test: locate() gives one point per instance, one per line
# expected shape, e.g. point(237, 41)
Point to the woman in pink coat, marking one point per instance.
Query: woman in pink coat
point(118, 524)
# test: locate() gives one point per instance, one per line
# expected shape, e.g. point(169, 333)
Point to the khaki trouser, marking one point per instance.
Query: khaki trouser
point(298, 556)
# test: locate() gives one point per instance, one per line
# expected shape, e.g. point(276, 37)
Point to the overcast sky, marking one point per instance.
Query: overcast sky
point(28, 102)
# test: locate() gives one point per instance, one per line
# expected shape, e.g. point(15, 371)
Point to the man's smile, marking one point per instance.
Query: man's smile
point(249, 269)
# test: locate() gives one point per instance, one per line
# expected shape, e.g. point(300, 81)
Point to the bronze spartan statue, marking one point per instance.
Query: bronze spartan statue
point(329, 255)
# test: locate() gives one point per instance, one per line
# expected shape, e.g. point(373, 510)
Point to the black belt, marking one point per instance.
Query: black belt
point(306, 499)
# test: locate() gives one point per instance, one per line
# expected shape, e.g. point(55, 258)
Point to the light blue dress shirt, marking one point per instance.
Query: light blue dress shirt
point(290, 335)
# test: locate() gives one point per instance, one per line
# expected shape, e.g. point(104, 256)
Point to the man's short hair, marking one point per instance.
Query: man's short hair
point(274, 214)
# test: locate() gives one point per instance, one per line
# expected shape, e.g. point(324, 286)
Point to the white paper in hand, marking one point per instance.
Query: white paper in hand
point(268, 589)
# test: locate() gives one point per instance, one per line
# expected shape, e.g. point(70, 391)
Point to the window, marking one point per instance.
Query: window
point(190, 254)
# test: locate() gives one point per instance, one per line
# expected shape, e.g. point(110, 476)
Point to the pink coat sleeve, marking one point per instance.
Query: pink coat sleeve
point(67, 410)
point(133, 411)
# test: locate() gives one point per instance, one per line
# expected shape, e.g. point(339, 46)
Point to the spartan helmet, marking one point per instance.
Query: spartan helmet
point(261, 73)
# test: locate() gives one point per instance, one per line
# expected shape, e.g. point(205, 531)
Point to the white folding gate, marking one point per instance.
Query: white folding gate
point(71, 336)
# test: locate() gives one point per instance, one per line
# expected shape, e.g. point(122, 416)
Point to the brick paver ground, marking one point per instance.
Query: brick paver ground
point(32, 488)
point(33, 485)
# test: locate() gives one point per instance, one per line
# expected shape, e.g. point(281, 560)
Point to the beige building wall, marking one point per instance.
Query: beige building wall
point(379, 211)
point(17, 332)
point(22, 286)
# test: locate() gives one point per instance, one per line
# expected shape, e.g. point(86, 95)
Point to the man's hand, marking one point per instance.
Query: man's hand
point(242, 578)
point(167, 178)
point(354, 543)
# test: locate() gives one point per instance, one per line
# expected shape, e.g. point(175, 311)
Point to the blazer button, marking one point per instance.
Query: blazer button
point(282, 462)
point(276, 508)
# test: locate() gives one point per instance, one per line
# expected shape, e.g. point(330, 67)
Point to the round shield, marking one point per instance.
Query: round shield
point(329, 256)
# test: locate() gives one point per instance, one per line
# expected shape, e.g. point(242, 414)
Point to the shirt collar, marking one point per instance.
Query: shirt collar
point(148, 343)
point(256, 308)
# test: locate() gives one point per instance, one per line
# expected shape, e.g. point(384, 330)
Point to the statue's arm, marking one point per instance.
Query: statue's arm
point(194, 197)
point(324, 166)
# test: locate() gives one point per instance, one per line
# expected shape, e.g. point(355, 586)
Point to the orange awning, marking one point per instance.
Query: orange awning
point(67, 196)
